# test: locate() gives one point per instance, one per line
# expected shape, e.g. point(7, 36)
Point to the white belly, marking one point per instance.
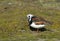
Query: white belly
point(37, 26)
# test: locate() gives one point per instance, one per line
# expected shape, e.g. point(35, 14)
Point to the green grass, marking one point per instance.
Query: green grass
point(14, 25)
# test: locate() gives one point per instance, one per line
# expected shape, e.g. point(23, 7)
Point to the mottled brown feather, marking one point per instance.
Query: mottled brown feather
point(38, 21)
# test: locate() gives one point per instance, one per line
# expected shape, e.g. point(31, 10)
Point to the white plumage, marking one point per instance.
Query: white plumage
point(37, 26)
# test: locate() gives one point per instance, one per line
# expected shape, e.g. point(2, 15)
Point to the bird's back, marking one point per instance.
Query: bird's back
point(37, 20)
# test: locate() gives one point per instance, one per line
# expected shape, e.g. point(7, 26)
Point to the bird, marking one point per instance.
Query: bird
point(36, 22)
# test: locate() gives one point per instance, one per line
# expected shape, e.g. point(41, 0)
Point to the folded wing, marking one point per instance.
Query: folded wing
point(38, 21)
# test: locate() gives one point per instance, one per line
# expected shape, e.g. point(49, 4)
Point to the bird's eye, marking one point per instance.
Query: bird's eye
point(29, 16)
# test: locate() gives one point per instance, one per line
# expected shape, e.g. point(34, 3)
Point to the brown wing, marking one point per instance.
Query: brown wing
point(41, 20)
point(38, 21)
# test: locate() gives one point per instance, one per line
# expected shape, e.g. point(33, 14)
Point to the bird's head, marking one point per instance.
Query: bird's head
point(29, 16)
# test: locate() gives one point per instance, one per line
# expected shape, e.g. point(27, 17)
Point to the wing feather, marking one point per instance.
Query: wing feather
point(38, 21)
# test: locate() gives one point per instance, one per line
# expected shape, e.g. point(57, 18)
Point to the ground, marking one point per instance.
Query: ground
point(14, 24)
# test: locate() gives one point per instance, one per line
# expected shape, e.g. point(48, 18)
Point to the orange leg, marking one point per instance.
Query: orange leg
point(37, 30)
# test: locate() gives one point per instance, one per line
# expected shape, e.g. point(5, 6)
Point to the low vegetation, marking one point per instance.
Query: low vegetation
point(14, 24)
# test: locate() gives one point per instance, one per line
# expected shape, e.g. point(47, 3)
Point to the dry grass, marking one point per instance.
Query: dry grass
point(14, 25)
